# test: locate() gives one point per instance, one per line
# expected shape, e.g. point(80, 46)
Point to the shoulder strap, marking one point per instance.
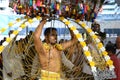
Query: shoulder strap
point(118, 53)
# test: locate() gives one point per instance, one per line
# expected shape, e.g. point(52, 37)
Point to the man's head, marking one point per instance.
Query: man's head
point(50, 35)
point(10, 32)
point(95, 27)
point(118, 42)
point(110, 48)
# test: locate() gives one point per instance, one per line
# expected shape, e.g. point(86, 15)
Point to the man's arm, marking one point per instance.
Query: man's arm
point(71, 42)
point(36, 37)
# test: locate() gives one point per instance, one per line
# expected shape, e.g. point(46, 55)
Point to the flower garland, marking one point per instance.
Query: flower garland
point(98, 43)
point(15, 32)
point(83, 44)
point(58, 46)
point(10, 24)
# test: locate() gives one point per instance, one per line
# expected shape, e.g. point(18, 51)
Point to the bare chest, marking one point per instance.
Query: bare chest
point(52, 53)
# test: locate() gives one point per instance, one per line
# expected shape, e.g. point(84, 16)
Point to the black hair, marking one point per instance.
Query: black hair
point(30, 32)
point(10, 32)
point(111, 47)
point(48, 30)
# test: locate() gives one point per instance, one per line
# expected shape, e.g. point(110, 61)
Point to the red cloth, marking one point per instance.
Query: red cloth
point(116, 63)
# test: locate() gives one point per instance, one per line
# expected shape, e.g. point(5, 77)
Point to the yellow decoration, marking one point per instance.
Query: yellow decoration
point(23, 26)
point(18, 20)
point(47, 75)
point(77, 20)
point(8, 39)
point(15, 32)
point(67, 22)
point(89, 30)
point(78, 36)
point(87, 53)
point(3, 29)
point(47, 47)
point(83, 44)
point(110, 62)
point(92, 64)
point(105, 53)
point(38, 17)
point(30, 21)
point(1, 48)
point(59, 47)
point(62, 18)
point(94, 37)
point(100, 45)
point(83, 25)
point(73, 28)
point(10, 24)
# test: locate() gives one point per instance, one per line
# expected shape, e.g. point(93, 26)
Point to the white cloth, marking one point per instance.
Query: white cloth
point(86, 68)
point(67, 62)
point(117, 52)
point(12, 63)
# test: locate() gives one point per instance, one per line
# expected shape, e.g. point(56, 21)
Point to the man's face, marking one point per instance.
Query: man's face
point(52, 37)
point(96, 28)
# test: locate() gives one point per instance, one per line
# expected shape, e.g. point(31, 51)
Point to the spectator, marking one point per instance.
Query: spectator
point(118, 47)
point(110, 48)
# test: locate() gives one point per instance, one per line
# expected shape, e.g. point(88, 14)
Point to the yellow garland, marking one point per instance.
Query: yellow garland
point(2, 30)
point(58, 46)
point(79, 37)
point(99, 44)
point(1, 48)
point(15, 32)
point(8, 39)
point(10, 24)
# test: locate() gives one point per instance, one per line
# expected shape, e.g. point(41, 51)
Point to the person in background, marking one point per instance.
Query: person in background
point(110, 48)
point(118, 47)
point(96, 28)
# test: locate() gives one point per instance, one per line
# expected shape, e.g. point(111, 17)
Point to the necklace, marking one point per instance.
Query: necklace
point(57, 46)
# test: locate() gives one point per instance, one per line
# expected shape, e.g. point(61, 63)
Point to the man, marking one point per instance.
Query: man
point(96, 28)
point(110, 48)
point(118, 47)
point(49, 52)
